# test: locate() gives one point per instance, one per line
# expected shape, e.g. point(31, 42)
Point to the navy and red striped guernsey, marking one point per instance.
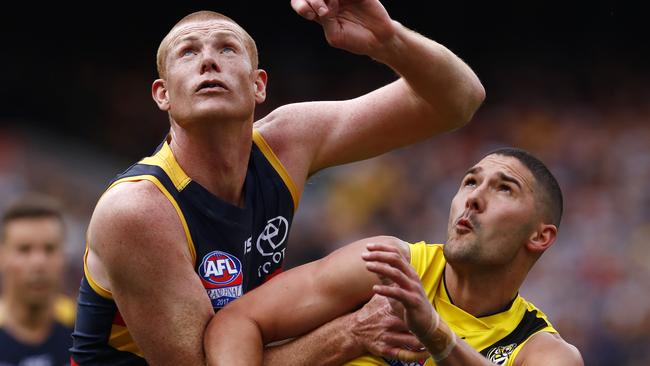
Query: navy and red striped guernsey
point(234, 249)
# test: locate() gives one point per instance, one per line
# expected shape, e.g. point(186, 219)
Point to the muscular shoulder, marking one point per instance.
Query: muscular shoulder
point(298, 123)
point(548, 349)
point(133, 212)
point(286, 130)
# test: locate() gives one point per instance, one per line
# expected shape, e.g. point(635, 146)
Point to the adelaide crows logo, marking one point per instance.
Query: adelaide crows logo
point(222, 277)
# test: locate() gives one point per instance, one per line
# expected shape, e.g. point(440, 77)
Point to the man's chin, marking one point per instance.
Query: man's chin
point(38, 298)
point(459, 250)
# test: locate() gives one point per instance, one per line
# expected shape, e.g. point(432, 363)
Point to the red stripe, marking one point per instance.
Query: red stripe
point(118, 320)
point(273, 274)
point(72, 363)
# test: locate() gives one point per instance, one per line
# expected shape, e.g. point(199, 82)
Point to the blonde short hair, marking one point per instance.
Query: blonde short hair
point(203, 15)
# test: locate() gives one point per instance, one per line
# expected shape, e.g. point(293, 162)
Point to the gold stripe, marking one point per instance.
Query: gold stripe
point(161, 187)
point(277, 165)
point(99, 290)
point(121, 340)
point(164, 159)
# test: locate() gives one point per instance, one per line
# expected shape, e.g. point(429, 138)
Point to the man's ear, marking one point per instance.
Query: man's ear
point(160, 95)
point(260, 85)
point(542, 238)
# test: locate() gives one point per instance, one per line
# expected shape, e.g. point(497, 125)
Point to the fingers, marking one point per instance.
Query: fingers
point(388, 254)
point(402, 340)
point(402, 274)
point(311, 9)
point(406, 355)
point(389, 274)
point(408, 299)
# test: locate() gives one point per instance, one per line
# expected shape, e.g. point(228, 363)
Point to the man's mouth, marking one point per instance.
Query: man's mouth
point(464, 224)
point(211, 85)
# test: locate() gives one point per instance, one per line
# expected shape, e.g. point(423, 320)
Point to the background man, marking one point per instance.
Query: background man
point(35, 319)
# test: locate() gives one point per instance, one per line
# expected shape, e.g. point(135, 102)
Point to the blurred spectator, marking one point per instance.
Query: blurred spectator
point(35, 319)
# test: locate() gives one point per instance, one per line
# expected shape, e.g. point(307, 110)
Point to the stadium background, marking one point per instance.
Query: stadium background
point(568, 82)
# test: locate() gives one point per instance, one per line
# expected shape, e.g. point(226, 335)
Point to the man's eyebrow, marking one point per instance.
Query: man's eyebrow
point(508, 178)
point(188, 38)
point(473, 170)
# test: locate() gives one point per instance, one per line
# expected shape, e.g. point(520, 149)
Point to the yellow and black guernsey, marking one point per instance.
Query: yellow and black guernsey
point(498, 337)
point(234, 248)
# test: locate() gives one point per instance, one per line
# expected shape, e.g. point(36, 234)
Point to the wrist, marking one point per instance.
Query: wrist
point(389, 44)
point(352, 344)
point(439, 339)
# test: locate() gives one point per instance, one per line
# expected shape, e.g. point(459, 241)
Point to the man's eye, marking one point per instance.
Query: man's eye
point(188, 52)
point(228, 49)
point(505, 188)
point(469, 182)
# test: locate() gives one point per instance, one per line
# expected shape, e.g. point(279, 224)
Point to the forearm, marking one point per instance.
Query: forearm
point(433, 73)
point(331, 344)
point(241, 347)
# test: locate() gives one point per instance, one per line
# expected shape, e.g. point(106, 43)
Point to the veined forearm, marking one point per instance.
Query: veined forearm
point(331, 344)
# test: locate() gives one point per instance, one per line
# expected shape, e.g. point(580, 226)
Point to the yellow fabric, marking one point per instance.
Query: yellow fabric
point(121, 340)
point(480, 333)
point(277, 165)
point(65, 310)
point(164, 159)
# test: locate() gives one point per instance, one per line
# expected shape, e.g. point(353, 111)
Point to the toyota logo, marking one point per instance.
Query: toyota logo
point(273, 235)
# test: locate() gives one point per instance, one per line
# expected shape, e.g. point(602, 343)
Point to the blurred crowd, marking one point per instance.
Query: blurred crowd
point(594, 283)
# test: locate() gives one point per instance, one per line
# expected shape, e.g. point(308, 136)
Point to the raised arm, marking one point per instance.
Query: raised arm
point(436, 92)
point(138, 250)
point(291, 304)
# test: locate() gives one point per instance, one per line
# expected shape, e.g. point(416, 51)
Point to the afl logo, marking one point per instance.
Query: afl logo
point(219, 269)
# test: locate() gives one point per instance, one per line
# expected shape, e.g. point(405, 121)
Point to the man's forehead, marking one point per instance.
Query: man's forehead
point(496, 164)
point(205, 28)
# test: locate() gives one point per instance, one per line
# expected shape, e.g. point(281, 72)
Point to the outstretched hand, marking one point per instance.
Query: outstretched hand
point(400, 282)
point(357, 26)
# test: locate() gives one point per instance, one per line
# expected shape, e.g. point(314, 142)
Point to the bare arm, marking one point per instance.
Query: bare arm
point(375, 328)
point(137, 244)
point(548, 349)
point(402, 284)
point(436, 92)
point(329, 345)
point(291, 304)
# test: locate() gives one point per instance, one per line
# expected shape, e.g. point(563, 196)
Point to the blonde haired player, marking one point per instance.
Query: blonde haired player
point(183, 232)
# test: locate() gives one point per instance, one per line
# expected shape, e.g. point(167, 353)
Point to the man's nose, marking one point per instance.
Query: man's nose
point(38, 259)
point(476, 200)
point(209, 62)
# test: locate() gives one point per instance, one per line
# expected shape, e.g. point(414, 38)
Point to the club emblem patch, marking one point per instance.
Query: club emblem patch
point(222, 277)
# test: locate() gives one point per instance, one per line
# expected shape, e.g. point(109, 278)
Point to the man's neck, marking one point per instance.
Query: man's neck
point(216, 157)
point(28, 323)
point(485, 292)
